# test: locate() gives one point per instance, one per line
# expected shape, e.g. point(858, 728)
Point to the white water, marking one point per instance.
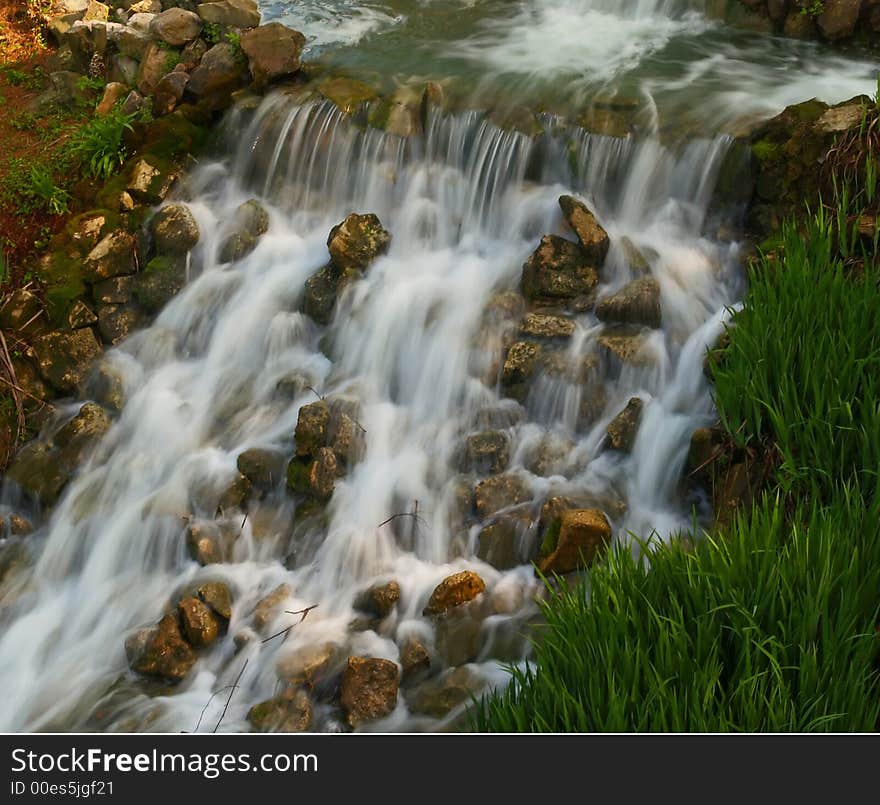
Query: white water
point(413, 345)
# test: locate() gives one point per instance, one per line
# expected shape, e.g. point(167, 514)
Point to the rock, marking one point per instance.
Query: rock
point(80, 315)
point(192, 54)
point(322, 290)
point(115, 291)
point(414, 659)
point(458, 636)
point(160, 651)
point(80, 433)
point(199, 623)
point(250, 222)
point(36, 469)
point(583, 535)
point(322, 474)
point(636, 303)
point(621, 432)
point(176, 26)
point(231, 13)
point(838, 18)
point(217, 596)
point(113, 93)
point(369, 689)
point(174, 229)
point(133, 102)
point(486, 453)
point(837, 119)
point(357, 241)
point(148, 183)
point(21, 312)
point(522, 359)
point(263, 468)
point(439, 697)
point(310, 666)
point(348, 94)
point(626, 346)
point(290, 712)
point(218, 75)
point(105, 386)
point(117, 322)
point(346, 438)
point(799, 26)
point(63, 358)
point(379, 599)
point(268, 607)
point(114, 255)
point(204, 542)
point(312, 428)
point(499, 492)
point(14, 525)
point(593, 238)
point(545, 325)
point(85, 230)
point(503, 543)
point(160, 281)
point(153, 65)
point(273, 51)
point(168, 93)
point(558, 269)
point(146, 7)
point(454, 591)
point(96, 12)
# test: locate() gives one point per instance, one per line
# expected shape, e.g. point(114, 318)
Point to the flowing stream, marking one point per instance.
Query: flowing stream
point(416, 346)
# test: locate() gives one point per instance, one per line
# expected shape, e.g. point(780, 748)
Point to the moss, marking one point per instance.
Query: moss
point(551, 538)
point(298, 475)
point(765, 151)
point(61, 276)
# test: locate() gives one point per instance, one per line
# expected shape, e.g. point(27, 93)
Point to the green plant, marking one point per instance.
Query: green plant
point(771, 628)
point(815, 8)
point(55, 199)
point(99, 144)
point(86, 84)
point(211, 33)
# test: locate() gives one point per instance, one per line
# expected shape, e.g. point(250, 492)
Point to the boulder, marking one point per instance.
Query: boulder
point(217, 596)
point(36, 469)
point(838, 19)
point(115, 291)
point(289, 712)
point(231, 13)
point(504, 542)
point(379, 599)
point(547, 325)
point(218, 75)
point(21, 312)
point(636, 303)
point(78, 435)
point(160, 281)
point(269, 606)
point(153, 65)
point(522, 360)
point(80, 315)
point(200, 626)
point(621, 432)
point(625, 346)
point(593, 238)
point(500, 492)
point(369, 689)
point(64, 358)
point(310, 666)
point(174, 230)
point(204, 542)
point(176, 26)
point(346, 438)
point(454, 591)
point(582, 535)
point(148, 183)
point(117, 322)
point(486, 453)
point(96, 12)
point(249, 223)
point(357, 241)
point(273, 51)
point(263, 468)
point(168, 93)
point(113, 93)
point(440, 696)
point(323, 473)
point(312, 427)
point(322, 290)
point(415, 660)
point(114, 255)
point(559, 269)
point(160, 651)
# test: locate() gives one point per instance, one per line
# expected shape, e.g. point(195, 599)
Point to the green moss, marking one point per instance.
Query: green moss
point(765, 151)
point(551, 538)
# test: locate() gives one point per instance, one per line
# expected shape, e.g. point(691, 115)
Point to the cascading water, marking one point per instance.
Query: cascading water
point(415, 348)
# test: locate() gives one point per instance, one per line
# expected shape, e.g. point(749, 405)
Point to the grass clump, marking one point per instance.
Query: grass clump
point(771, 628)
point(99, 145)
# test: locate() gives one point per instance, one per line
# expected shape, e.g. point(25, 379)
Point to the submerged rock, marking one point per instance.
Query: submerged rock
point(621, 432)
point(379, 600)
point(290, 712)
point(503, 542)
point(547, 325)
point(312, 426)
point(453, 591)
point(160, 651)
point(415, 660)
point(250, 222)
point(369, 689)
point(160, 281)
point(558, 269)
point(487, 452)
point(263, 468)
point(439, 697)
point(636, 303)
point(500, 492)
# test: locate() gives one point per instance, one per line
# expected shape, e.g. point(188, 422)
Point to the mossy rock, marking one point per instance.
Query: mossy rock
point(161, 279)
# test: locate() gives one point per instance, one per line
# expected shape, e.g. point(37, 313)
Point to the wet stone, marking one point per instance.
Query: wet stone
point(487, 452)
point(290, 712)
point(593, 238)
point(217, 596)
point(160, 651)
point(199, 623)
point(558, 269)
point(379, 600)
point(621, 432)
point(454, 591)
point(369, 689)
point(414, 659)
point(582, 536)
point(500, 492)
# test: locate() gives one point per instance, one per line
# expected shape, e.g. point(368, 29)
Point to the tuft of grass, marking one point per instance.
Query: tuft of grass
point(99, 145)
point(769, 629)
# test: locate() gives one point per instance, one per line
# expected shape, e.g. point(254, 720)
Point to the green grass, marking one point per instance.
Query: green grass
point(99, 145)
point(768, 629)
point(769, 626)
